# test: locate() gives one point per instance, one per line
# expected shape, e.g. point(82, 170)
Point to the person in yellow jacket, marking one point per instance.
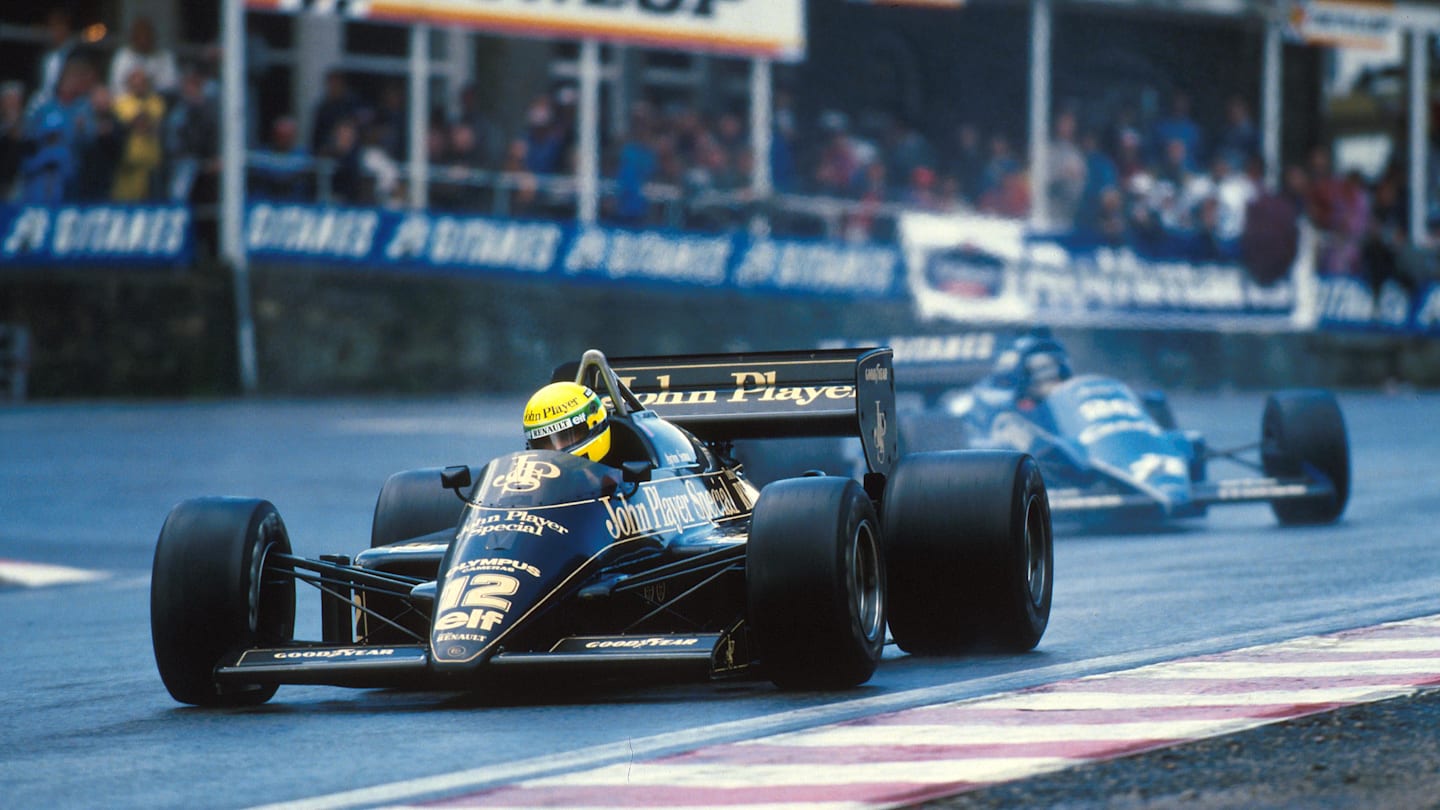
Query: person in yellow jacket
point(140, 109)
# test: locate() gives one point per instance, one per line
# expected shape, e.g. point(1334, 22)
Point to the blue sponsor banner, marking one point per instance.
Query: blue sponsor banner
point(622, 255)
point(95, 236)
point(1426, 316)
point(421, 242)
point(819, 267)
point(1346, 303)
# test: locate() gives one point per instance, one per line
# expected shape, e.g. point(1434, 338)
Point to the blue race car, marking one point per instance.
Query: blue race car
point(1107, 452)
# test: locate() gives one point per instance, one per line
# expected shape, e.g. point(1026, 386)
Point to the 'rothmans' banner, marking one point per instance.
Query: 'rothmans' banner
point(413, 242)
point(979, 269)
point(1346, 303)
point(768, 28)
point(984, 270)
point(94, 235)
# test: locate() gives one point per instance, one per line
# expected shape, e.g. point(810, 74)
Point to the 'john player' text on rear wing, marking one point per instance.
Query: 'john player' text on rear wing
point(721, 397)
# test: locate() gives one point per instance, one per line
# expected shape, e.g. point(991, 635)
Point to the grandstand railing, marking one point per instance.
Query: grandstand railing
point(282, 178)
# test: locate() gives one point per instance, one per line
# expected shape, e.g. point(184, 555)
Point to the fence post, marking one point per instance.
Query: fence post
point(15, 359)
point(232, 184)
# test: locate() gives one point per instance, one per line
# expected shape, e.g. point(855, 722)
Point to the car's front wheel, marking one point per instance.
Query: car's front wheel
point(1302, 435)
point(209, 596)
point(815, 583)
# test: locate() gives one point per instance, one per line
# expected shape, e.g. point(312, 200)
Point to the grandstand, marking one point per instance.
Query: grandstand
point(1064, 115)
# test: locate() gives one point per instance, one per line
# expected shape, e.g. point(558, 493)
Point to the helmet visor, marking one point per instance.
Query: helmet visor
point(1044, 368)
point(559, 435)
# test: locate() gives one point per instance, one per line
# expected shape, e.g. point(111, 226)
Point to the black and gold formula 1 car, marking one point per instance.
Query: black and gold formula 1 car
point(671, 560)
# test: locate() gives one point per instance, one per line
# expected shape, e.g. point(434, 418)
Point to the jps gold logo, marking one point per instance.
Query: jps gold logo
point(525, 475)
point(879, 432)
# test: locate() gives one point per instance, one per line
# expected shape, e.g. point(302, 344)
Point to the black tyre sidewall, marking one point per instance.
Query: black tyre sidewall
point(1304, 431)
point(207, 597)
point(413, 503)
point(799, 565)
point(954, 528)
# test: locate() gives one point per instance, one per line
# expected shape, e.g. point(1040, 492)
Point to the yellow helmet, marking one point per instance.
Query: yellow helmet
point(569, 417)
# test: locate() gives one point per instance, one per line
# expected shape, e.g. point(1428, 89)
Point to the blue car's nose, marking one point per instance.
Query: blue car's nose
point(1178, 497)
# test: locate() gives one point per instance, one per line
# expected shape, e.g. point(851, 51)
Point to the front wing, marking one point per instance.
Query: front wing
point(1079, 501)
point(408, 665)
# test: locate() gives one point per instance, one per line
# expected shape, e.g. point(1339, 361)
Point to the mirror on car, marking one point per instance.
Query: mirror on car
point(455, 477)
point(635, 472)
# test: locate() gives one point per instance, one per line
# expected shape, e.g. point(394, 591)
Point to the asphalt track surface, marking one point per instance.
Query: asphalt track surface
point(85, 721)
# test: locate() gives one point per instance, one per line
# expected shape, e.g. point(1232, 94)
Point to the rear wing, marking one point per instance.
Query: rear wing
point(723, 397)
point(934, 364)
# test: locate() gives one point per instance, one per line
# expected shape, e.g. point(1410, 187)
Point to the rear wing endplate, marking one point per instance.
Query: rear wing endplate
point(763, 395)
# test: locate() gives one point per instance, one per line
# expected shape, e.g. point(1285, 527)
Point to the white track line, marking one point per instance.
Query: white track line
point(898, 753)
point(875, 762)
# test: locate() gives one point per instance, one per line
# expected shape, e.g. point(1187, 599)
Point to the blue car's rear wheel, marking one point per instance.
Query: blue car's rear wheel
point(815, 583)
point(209, 596)
point(969, 552)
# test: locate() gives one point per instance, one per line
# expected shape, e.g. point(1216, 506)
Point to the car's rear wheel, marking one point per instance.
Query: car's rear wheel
point(1302, 435)
point(209, 596)
point(411, 504)
point(815, 583)
point(969, 552)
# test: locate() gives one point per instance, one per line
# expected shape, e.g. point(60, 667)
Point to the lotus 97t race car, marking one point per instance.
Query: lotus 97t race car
point(663, 558)
point(1108, 453)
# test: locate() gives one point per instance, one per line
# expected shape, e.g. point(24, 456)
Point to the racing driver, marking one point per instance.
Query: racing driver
point(1033, 367)
point(568, 417)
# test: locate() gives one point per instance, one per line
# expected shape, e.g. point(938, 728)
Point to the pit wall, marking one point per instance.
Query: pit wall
point(356, 300)
point(322, 333)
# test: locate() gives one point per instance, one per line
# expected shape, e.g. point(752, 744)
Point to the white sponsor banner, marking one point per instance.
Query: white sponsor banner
point(767, 28)
point(993, 293)
point(931, 3)
point(1368, 24)
point(979, 269)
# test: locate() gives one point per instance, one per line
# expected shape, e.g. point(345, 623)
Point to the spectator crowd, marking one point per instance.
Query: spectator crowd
point(139, 126)
point(135, 127)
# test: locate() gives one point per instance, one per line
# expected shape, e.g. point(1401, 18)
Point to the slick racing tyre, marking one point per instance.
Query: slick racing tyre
point(209, 595)
point(969, 552)
point(1302, 435)
point(815, 583)
point(412, 503)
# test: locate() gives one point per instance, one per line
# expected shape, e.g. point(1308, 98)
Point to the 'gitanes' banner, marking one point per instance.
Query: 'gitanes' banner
point(378, 239)
point(94, 235)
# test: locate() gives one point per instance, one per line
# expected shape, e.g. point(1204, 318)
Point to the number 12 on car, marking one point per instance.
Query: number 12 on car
point(463, 602)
